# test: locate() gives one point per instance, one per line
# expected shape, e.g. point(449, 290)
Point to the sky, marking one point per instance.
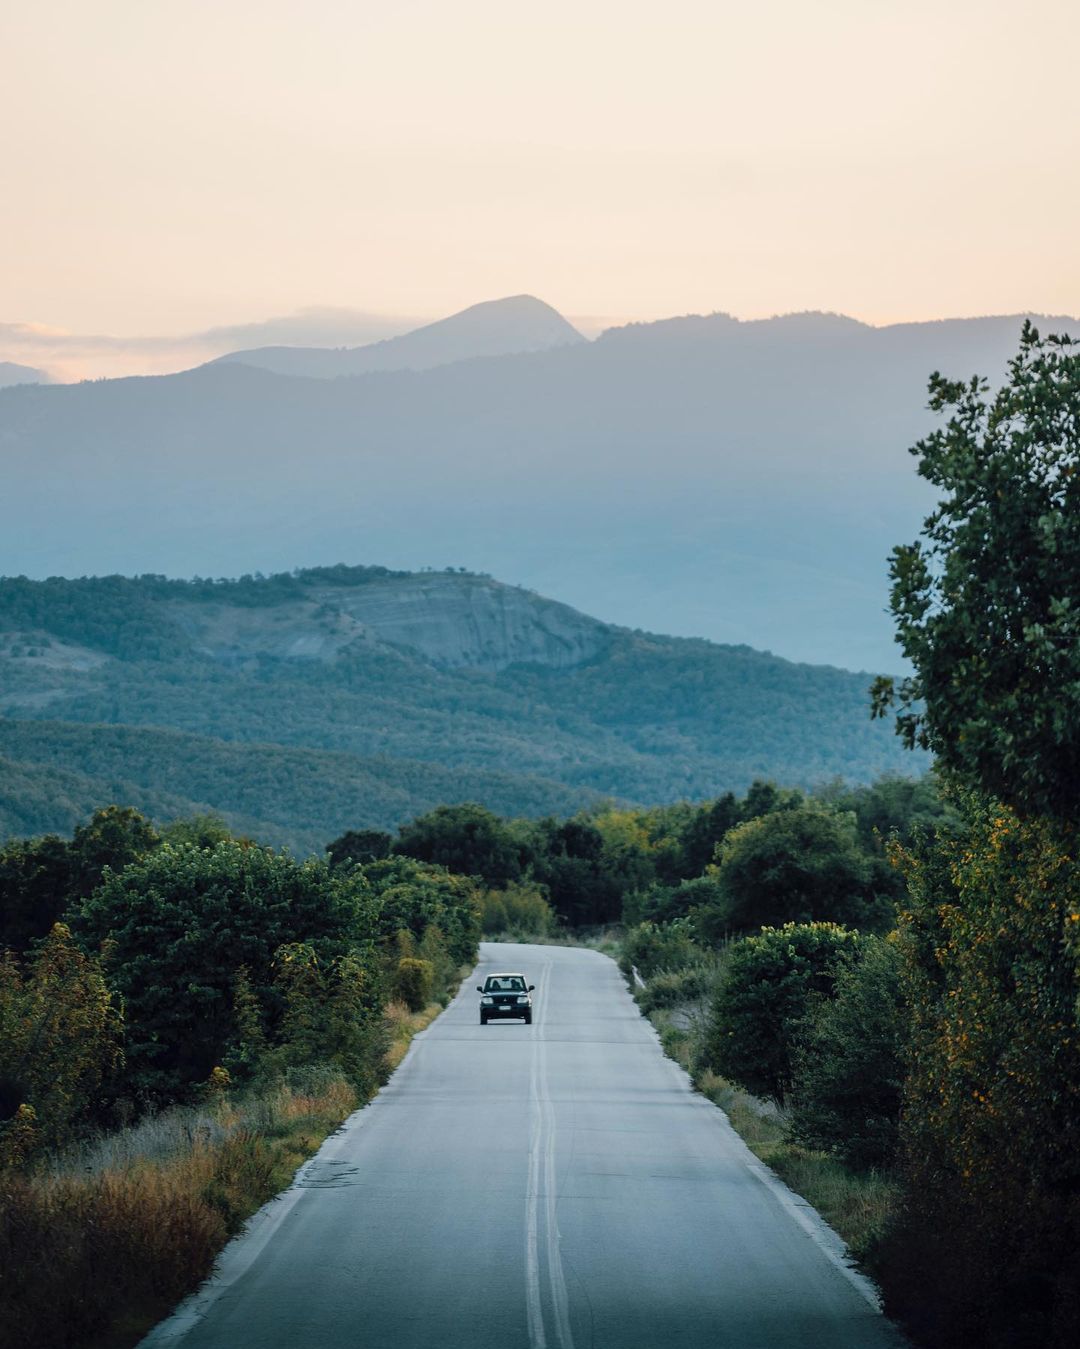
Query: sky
point(170, 168)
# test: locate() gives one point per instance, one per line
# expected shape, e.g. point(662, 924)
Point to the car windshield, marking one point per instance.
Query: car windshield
point(505, 983)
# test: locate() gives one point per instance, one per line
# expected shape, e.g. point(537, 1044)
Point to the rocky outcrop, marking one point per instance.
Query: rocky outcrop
point(455, 621)
point(470, 622)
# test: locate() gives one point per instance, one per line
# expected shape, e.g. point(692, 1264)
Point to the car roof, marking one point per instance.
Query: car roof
point(506, 974)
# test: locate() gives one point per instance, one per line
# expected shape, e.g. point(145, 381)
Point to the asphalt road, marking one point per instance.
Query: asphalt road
point(554, 1186)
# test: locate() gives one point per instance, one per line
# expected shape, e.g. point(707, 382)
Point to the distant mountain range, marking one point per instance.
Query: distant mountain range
point(301, 705)
point(494, 328)
point(740, 480)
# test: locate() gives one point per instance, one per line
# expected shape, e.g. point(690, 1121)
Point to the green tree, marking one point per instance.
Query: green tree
point(797, 865)
point(985, 1251)
point(113, 837)
point(415, 896)
point(987, 603)
point(360, 846)
point(707, 829)
point(36, 884)
point(849, 1070)
point(468, 839)
point(758, 1019)
point(184, 919)
point(200, 831)
point(570, 859)
point(60, 1037)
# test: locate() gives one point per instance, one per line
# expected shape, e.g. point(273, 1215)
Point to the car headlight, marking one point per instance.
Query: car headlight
point(523, 997)
point(489, 1001)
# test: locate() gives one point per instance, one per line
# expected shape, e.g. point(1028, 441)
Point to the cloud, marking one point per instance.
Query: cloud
point(68, 356)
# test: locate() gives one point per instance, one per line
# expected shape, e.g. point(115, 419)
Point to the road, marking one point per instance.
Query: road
point(554, 1186)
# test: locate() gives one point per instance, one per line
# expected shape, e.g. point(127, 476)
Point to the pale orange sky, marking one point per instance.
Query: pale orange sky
point(171, 165)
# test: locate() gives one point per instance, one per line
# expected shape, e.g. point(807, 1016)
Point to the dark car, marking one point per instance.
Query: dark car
point(505, 996)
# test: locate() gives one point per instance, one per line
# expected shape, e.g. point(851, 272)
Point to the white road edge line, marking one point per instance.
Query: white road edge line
point(829, 1242)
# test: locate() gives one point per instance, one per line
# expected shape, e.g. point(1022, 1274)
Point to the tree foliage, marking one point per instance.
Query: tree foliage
point(986, 1252)
point(417, 897)
point(183, 920)
point(849, 1069)
point(987, 603)
point(758, 1018)
point(60, 1040)
point(468, 839)
point(794, 866)
point(41, 878)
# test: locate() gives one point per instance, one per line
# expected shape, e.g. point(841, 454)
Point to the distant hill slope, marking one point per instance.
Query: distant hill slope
point(741, 481)
point(505, 327)
point(53, 774)
point(11, 374)
point(341, 696)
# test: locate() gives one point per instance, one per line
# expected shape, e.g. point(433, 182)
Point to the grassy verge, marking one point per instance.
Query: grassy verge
point(100, 1243)
point(856, 1205)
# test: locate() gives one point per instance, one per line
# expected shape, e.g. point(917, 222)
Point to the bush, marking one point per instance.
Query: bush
point(758, 1017)
point(849, 1071)
point(183, 920)
point(417, 896)
point(650, 947)
point(60, 1035)
point(520, 910)
point(414, 983)
point(671, 988)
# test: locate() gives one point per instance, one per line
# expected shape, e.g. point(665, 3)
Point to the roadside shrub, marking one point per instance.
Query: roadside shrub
point(651, 947)
point(179, 924)
point(672, 988)
point(849, 1069)
point(418, 896)
point(333, 1016)
point(520, 910)
point(414, 983)
point(758, 1017)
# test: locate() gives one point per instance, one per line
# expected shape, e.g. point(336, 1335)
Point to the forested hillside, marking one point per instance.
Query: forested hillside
point(339, 697)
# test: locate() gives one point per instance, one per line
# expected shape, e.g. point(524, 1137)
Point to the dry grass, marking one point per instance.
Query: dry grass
point(403, 1026)
point(100, 1244)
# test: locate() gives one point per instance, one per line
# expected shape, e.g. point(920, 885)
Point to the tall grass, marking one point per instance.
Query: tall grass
point(106, 1237)
point(99, 1242)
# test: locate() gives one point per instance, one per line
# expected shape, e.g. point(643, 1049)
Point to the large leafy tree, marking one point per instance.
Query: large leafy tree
point(987, 602)
point(797, 865)
point(468, 839)
point(40, 878)
point(984, 1250)
point(758, 1019)
point(415, 896)
point(182, 921)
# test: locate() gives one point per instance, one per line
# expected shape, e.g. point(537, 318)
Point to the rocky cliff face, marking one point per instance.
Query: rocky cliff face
point(455, 621)
point(469, 622)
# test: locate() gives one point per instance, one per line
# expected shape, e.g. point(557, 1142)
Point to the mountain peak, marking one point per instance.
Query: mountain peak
point(504, 327)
